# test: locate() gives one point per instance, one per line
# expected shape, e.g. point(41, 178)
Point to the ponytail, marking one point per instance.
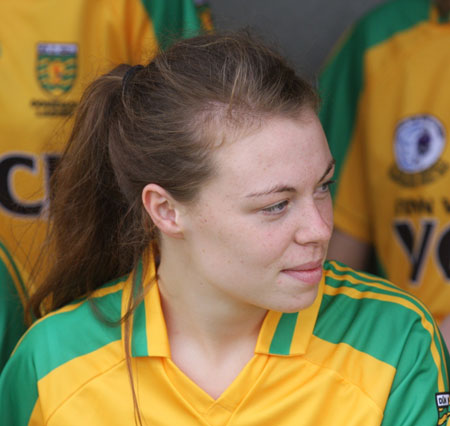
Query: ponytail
point(90, 237)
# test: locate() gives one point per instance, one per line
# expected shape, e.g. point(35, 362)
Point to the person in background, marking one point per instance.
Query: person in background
point(386, 113)
point(49, 52)
point(194, 197)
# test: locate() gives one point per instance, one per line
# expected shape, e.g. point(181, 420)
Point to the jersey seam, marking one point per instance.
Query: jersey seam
point(72, 394)
point(320, 365)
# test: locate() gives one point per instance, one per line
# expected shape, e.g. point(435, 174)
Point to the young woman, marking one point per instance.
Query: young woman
point(197, 188)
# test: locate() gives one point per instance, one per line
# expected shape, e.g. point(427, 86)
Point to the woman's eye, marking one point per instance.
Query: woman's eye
point(276, 208)
point(325, 187)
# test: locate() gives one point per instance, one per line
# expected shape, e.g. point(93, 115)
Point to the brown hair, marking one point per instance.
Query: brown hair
point(157, 125)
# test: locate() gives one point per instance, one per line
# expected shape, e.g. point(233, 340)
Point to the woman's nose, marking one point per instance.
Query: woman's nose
point(315, 222)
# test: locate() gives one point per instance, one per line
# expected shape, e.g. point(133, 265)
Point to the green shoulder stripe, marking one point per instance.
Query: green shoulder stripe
point(90, 329)
point(342, 79)
point(139, 342)
point(54, 341)
point(370, 283)
point(360, 276)
point(172, 20)
point(393, 318)
point(282, 338)
point(365, 282)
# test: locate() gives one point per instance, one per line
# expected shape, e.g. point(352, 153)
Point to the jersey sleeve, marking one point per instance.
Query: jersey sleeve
point(12, 298)
point(419, 393)
point(174, 19)
point(141, 27)
point(19, 403)
point(340, 85)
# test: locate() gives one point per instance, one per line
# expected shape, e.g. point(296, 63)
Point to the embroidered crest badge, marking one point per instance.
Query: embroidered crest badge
point(419, 142)
point(56, 67)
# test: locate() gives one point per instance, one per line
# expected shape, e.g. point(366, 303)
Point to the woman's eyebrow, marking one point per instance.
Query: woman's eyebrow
point(285, 188)
point(331, 164)
point(275, 189)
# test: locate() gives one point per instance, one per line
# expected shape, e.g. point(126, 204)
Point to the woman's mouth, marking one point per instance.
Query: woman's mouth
point(309, 273)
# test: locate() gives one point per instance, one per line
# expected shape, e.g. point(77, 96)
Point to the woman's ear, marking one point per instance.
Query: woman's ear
point(162, 209)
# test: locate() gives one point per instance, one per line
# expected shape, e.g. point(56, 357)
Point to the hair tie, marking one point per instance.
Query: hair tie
point(129, 75)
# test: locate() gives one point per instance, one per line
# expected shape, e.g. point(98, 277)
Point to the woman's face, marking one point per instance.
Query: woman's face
point(259, 231)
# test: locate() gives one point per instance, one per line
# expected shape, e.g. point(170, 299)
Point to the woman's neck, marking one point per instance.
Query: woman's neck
point(211, 339)
point(194, 311)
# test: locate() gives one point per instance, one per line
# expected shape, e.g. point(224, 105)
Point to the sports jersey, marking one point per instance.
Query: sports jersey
point(386, 114)
point(364, 353)
point(49, 52)
point(12, 295)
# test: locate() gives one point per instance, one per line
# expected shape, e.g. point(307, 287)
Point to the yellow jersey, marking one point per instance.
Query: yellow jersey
point(365, 353)
point(386, 114)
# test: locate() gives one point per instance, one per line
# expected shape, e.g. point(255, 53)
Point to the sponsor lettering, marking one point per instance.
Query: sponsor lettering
point(412, 206)
point(417, 246)
point(53, 108)
point(411, 180)
point(442, 403)
point(442, 399)
point(446, 204)
point(9, 201)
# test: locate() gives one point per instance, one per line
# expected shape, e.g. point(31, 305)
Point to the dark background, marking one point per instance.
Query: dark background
point(305, 30)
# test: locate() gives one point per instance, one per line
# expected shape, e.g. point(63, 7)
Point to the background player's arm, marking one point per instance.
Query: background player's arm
point(349, 250)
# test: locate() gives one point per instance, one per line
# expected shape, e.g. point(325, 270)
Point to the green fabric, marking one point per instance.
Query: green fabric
point(282, 339)
point(60, 342)
point(13, 264)
point(18, 390)
point(365, 284)
point(91, 334)
point(173, 20)
point(139, 345)
point(391, 333)
point(341, 81)
point(12, 320)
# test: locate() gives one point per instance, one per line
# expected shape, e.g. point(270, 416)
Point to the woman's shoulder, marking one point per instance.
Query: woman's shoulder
point(54, 345)
point(75, 329)
point(384, 340)
point(373, 314)
point(376, 293)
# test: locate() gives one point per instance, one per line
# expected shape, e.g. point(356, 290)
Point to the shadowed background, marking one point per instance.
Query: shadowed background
point(306, 30)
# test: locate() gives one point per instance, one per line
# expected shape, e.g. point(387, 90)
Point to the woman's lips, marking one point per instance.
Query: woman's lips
point(310, 273)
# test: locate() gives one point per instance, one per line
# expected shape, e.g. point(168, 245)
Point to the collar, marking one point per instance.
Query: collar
point(283, 334)
point(288, 334)
point(149, 333)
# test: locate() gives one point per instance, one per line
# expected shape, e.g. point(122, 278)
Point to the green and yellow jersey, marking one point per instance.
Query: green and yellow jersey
point(12, 298)
point(49, 51)
point(365, 353)
point(386, 114)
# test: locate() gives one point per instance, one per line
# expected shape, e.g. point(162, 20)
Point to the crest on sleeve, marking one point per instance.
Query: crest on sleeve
point(56, 66)
point(442, 403)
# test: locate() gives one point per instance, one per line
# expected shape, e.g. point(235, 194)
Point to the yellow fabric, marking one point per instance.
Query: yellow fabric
point(97, 36)
point(405, 77)
point(316, 383)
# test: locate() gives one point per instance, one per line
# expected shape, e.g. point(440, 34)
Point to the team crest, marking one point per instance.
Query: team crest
point(56, 66)
point(418, 146)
